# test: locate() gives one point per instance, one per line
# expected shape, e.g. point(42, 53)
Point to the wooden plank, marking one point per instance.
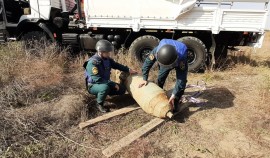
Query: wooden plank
point(107, 116)
point(117, 146)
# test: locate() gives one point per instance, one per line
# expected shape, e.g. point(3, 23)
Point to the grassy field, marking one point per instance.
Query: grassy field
point(43, 99)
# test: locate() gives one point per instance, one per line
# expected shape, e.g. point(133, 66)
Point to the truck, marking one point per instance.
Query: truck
point(209, 28)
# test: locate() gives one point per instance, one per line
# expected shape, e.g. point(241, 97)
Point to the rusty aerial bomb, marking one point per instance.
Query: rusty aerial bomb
point(151, 98)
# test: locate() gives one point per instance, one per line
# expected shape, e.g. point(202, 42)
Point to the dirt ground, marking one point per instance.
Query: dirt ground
point(233, 122)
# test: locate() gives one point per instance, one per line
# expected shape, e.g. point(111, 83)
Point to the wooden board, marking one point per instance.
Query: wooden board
point(117, 146)
point(107, 116)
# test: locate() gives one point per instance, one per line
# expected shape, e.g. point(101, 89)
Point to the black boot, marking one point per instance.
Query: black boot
point(175, 108)
point(102, 109)
point(109, 104)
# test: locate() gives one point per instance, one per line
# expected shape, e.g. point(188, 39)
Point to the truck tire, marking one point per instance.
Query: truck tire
point(142, 46)
point(196, 53)
point(33, 38)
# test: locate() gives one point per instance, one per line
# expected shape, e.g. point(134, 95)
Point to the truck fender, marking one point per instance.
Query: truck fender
point(34, 24)
point(44, 27)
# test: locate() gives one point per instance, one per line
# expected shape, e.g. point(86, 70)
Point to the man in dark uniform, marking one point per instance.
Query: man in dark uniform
point(97, 74)
point(170, 54)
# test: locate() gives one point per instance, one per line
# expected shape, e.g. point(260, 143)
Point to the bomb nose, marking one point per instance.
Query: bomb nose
point(169, 114)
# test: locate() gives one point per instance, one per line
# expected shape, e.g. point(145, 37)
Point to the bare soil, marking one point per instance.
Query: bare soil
point(234, 121)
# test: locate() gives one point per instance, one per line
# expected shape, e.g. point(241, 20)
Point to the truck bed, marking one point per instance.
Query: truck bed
point(211, 15)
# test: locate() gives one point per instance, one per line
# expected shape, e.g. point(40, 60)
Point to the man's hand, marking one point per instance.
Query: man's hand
point(144, 83)
point(171, 101)
point(117, 87)
point(133, 71)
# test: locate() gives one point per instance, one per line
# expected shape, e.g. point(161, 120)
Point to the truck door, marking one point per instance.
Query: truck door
point(13, 10)
point(2, 22)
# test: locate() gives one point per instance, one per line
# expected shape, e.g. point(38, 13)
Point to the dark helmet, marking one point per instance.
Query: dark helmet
point(167, 55)
point(104, 46)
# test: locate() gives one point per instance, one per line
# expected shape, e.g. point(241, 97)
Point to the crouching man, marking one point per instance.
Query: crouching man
point(98, 71)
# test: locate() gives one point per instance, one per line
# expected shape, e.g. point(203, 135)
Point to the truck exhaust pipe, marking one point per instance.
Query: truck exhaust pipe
point(79, 8)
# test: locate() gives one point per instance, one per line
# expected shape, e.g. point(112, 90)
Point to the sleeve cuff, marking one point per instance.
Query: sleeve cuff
point(145, 78)
point(112, 84)
point(126, 69)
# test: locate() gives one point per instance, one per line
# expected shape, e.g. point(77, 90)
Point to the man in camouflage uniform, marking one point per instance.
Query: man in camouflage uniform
point(97, 74)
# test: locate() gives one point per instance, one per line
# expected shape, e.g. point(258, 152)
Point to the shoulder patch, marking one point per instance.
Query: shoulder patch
point(95, 70)
point(151, 57)
point(182, 65)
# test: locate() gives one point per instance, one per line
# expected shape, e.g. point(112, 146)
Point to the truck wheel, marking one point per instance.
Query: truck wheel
point(33, 38)
point(142, 46)
point(196, 52)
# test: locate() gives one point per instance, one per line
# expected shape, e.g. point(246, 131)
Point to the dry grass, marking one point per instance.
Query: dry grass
point(30, 81)
point(26, 77)
point(239, 93)
point(43, 98)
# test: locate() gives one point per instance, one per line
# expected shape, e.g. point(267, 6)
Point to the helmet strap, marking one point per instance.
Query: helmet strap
point(99, 54)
